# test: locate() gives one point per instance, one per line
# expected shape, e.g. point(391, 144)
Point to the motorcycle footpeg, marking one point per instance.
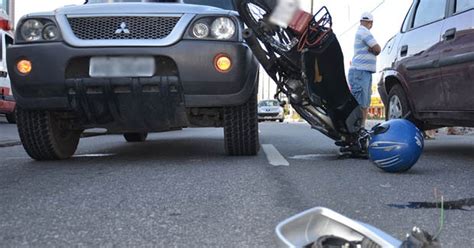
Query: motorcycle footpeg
point(341, 143)
point(351, 155)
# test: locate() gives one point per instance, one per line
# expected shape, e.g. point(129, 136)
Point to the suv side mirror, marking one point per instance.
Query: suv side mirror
point(283, 103)
point(325, 227)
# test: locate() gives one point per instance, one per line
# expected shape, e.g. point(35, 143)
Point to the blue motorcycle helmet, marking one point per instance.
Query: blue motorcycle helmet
point(396, 145)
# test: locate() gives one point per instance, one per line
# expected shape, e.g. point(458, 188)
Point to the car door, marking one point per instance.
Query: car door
point(457, 60)
point(419, 54)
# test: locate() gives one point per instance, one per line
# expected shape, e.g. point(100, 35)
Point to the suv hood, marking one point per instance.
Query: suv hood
point(139, 8)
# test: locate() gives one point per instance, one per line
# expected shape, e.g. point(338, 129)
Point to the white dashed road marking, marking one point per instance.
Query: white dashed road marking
point(93, 155)
point(274, 156)
point(312, 156)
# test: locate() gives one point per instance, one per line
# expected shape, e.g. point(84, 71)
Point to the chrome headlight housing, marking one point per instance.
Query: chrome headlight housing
point(37, 30)
point(31, 30)
point(223, 28)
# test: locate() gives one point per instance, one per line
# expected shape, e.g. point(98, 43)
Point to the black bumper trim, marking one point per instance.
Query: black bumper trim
point(203, 86)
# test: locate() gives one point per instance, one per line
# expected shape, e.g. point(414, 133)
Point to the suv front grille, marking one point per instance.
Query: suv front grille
point(122, 27)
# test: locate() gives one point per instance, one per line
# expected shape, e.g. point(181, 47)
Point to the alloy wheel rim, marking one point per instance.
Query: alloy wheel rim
point(395, 108)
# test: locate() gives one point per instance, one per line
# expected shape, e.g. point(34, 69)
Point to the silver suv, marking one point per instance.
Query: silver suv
point(132, 68)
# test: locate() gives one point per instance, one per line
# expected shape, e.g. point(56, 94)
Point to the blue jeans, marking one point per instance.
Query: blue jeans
point(361, 86)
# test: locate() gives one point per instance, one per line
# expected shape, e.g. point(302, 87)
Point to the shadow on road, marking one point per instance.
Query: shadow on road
point(452, 150)
point(157, 152)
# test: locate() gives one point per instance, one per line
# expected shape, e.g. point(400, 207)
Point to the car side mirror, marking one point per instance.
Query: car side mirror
point(283, 103)
point(322, 227)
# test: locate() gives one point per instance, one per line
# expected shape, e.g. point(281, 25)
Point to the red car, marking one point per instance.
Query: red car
point(7, 102)
point(428, 68)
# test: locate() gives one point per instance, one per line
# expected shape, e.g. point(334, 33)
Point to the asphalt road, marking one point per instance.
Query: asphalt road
point(180, 190)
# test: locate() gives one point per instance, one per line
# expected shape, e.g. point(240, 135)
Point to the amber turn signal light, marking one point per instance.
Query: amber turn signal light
point(223, 63)
point(24, 66)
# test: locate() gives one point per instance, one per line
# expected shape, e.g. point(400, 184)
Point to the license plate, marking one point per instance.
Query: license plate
point(130, 66)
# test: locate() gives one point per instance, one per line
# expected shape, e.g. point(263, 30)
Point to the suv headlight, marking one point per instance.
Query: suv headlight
point(214, 28)
point(50, 32)
point(201, 30)
point(37, 30)
point(31, 30)
point(223, 28)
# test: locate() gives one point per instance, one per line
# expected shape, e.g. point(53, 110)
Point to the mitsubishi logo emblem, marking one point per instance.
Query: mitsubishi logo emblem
point(122, 29)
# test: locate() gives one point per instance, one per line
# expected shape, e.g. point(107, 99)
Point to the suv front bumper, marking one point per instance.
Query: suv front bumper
point(59, 70)
point(262, 116)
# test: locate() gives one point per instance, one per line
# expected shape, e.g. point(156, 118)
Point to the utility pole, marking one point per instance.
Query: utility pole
point(312, 6)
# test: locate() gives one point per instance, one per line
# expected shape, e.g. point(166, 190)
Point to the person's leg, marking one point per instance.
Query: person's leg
point(358, 81)
point(429, 134)
point(367, 95)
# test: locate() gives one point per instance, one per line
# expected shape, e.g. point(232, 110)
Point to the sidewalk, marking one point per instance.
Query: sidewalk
point(8, 134)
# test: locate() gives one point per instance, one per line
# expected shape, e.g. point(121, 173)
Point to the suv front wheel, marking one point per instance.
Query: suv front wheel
point(241, 129)
point(45, 136)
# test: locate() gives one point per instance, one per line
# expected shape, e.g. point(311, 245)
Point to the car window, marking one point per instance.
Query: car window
point(429, 11)
point(223, 4)
point(406, 23)
point(130, 1)
point(463, 5)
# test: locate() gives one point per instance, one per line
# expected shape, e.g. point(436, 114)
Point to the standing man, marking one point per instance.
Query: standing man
point(364, 63)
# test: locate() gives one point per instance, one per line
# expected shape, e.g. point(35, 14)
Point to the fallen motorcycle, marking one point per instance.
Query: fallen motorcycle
point(324, 228)
point(302, 55)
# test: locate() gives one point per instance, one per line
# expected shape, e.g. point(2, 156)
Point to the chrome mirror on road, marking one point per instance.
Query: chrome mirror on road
point(322, 227)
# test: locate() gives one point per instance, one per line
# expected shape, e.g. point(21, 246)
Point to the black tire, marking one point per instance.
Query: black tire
point(44, 135)
point(241, 129)
point(282, 120)
point(398, 106)
point(135, 137)
point(11, 118)
point(405, 110)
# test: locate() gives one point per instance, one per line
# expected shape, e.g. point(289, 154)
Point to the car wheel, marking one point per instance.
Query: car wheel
point(282, 120)
point(135, 137)
point(241, 129)
point(45, 136)
point(398, 107)
point(11, 118)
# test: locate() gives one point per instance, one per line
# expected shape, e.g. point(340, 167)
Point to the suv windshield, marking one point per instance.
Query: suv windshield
point(224, 4)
